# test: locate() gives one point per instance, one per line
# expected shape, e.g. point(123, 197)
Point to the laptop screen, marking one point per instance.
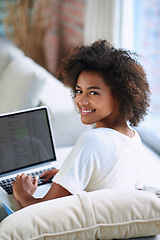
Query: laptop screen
point(25, 139)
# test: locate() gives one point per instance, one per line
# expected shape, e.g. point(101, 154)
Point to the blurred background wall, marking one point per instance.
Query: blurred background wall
point(59, 25)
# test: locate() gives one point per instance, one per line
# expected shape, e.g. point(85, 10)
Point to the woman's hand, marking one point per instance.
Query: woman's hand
point(49, 174)
point(24, 185)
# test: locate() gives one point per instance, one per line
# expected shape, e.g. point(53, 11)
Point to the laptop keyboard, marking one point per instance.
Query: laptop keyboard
point(7, 183)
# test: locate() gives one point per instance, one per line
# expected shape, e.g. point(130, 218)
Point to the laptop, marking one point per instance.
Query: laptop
point(26, 146)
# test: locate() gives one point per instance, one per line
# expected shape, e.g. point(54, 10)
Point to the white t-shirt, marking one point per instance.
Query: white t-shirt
point(102, 158)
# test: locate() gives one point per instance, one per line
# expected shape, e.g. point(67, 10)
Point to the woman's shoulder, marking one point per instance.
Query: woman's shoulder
point(107, 136)
point(97, 135)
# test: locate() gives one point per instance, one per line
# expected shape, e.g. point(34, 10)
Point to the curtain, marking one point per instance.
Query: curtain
point(111, 20)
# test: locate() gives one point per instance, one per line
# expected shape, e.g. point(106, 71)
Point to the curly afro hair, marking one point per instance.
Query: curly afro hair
point(120, 71)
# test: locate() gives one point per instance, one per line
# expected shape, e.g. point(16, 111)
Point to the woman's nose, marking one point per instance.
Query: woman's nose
point(83, 100)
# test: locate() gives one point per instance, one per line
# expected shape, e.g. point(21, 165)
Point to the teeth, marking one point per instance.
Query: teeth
point(86, 111)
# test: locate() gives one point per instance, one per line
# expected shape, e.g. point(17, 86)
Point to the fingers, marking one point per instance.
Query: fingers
point(24, 184)
point(49, 174)
point(23, 176)
point(47, 177)
point(15, 179)
point(35, 182)
point(55, 171)
point(45, 174)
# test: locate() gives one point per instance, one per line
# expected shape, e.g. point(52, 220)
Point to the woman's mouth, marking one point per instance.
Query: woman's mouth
point(85, 112)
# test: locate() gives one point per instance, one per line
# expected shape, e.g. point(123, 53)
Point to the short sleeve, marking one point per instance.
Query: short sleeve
point(77, 169)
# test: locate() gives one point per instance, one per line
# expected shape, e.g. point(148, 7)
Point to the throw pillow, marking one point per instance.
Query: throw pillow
point(103, 214)
point(8, 52)
point(21, 84)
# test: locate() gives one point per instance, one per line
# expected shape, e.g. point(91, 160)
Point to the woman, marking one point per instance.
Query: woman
point(110, 90)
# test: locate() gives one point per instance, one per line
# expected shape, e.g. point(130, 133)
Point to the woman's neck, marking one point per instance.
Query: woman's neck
point(119, 127)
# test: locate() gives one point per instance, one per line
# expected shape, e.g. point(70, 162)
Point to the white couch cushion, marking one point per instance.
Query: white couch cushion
point(56, 96)
point(21, 84)
point(8, 52)
point(103, 214)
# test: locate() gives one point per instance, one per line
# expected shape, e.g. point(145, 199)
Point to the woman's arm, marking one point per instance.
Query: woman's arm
point(24, 188)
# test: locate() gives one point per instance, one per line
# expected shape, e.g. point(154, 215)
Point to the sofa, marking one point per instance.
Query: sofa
point(103, 214)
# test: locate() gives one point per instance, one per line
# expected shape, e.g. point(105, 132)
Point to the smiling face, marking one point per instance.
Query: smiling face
point(95, 101)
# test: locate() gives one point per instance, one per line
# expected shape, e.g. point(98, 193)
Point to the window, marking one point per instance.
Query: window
point(147, 44)
point(2, 15)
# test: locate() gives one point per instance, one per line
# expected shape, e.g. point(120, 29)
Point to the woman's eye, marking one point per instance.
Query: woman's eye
point(78, 91)
point(94, 93)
